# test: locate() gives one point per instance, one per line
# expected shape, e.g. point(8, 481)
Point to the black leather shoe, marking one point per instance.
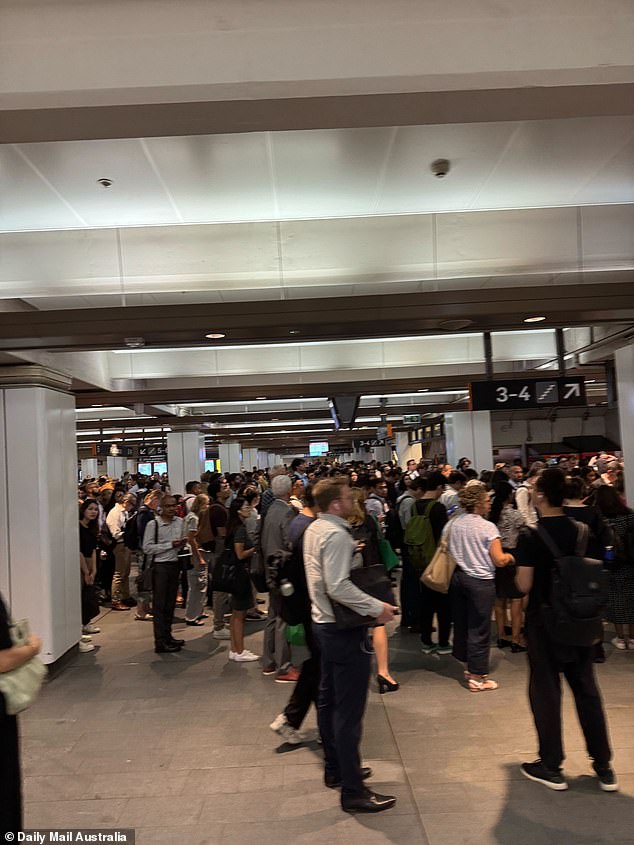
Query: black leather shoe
point(177, 642)
point(167, 648)
point(370, 802)
point(334, 781)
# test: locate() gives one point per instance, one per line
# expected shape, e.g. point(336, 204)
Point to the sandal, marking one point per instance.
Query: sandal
point(482, 686)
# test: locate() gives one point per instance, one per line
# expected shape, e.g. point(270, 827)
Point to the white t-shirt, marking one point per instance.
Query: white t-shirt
point(470, 539)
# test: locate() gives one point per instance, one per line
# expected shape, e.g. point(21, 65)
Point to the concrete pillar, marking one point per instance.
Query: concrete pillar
point(230, 457)
point(90, 468)
point(272, 460)
point(39, 534)
point(407, 451)
point(131, 465)
point(115, 467)
point(250, 459)
point(185, 458)
point(468, 435)
point(382, 454)
point(624, 360)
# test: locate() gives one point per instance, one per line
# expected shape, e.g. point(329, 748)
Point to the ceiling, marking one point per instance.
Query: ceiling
point(330, 258)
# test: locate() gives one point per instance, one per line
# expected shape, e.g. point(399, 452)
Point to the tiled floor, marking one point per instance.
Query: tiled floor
point(178, 747)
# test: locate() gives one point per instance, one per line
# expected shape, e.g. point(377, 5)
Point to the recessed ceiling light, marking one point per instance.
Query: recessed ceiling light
point(260, 397)
point(423, 390)
point(294, 331)
point(534, 319)
point(215, 335)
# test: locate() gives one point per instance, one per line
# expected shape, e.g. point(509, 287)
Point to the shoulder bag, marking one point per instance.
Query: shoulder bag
point(20, 687)
point(372, 580)
point(437, 576)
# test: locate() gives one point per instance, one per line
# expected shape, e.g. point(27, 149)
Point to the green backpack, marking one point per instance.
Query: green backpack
point(419, 537)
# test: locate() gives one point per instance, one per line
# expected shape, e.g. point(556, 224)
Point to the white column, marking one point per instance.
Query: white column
point(39, 535)
point(230, 460)
point(407, 451)
point(250, 459)
point(382, 453)
point(263, 460)
point(131, 465)
point(468, 435)
point(185, 458)
point(115, 467)
point(272, 460)
point(90, 468)
point(624, 360)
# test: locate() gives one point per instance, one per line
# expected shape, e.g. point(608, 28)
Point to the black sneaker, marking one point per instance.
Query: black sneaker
point(540, 774)
point(607, 779)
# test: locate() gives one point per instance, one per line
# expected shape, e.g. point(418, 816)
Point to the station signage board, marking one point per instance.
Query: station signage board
point(516, 394)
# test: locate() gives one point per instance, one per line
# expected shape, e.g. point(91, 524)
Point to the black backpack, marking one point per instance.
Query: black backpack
point(288, 564)
point(131, 537)
point(574, 613)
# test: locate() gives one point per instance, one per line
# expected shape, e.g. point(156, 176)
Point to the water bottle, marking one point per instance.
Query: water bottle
point(286, 588)
point(609, 556)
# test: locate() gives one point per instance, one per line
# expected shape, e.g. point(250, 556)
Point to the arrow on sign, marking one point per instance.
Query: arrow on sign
point(572, 390)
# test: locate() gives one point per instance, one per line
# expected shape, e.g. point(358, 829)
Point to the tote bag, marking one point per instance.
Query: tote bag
point(437, 576)
point(20, 687)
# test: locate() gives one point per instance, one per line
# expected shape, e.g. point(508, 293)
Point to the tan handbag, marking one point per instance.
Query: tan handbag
point(438, 574)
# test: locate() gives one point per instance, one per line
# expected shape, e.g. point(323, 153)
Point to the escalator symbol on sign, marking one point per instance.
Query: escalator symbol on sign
point(547, 392)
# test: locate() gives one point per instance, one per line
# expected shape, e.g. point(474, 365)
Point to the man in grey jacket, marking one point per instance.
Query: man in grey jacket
point(329, 554)
point(274, 538)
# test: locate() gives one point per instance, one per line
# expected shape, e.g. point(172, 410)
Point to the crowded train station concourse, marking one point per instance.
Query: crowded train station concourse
point(317, 422)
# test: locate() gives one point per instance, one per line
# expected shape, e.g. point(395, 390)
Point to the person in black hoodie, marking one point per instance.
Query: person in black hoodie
point(547, 658)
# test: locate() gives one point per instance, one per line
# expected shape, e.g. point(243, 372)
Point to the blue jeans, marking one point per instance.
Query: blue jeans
point(343, 692)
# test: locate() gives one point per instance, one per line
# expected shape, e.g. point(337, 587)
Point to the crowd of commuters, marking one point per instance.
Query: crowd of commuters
point(319, 523)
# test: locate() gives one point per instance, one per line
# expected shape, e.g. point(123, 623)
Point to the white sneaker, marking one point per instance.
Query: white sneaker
point(617, 642)
point(86, 638)
point(91, 629)
point(290, 735)
point(86, 645)
point(232, 655)
point(222, 634)
point(277, 723)
point(244, 656)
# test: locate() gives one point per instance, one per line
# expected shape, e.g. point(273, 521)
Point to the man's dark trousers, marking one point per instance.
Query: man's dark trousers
point(343, 691)
point(165, 588)
point(306, 690)
point(545, 696)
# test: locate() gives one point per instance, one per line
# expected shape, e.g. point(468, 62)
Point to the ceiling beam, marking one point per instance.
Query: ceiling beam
point(383, 315)
point(147, 120)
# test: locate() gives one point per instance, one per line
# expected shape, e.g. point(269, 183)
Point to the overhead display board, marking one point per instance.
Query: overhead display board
point(514, 394)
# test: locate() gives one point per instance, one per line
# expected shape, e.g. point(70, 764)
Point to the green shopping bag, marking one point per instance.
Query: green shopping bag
point(295, 634)
point(389, 558)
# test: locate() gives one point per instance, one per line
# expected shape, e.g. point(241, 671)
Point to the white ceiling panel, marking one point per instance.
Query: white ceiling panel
point(365, 249)
point(216, 254)
point(507, 241)
point(548, 162)
point(315, 174)
point(73, 168)
point(608, 236)
point(614, 181)
point(409, 185)
point(51, 261)
point(329, 172)
point(26, 200)
point(214, 178)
